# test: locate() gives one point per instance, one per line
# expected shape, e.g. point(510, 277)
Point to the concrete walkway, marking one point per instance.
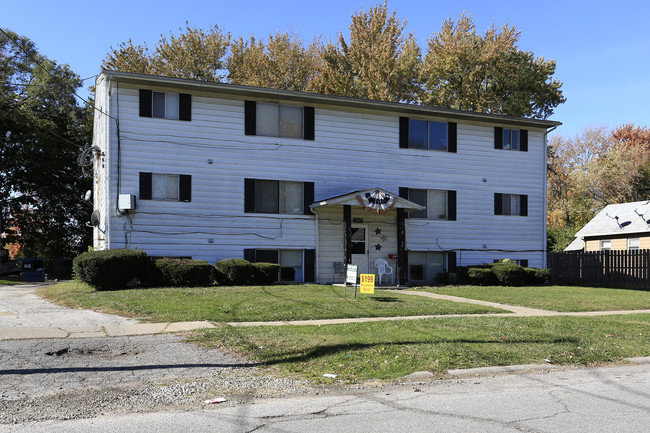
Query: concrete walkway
point(24, 315)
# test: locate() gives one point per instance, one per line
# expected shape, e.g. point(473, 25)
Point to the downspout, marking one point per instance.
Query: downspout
point(316, 265)
point(544, 240)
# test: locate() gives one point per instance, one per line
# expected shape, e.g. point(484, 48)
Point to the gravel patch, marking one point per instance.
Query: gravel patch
point(61, 379)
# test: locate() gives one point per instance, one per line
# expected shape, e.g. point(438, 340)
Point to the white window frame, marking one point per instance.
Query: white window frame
point(260, 106)
point(167, 179)
point(605, 244)
point(283, 185)
point(428, 129)
point(511, 139)
point(171, 105)
point(511, 204)
point(428, 260)
point(633, 244)
point(428, 209)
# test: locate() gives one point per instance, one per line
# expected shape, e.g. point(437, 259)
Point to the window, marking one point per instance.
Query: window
point(424, 266)
point(634, 244)
point(605, 245)
point(162, 186)
point(164, 105)
point(295, 265)
point(520, 262)
point(276, 120)
point(278, 196)
point(427, 134)
point(510, 204)
point(439, 204)
point(511, 139)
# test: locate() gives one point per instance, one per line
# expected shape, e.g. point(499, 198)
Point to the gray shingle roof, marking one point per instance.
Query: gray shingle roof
point(616, 219)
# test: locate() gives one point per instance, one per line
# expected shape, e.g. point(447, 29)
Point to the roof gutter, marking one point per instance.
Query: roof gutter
point(240, 91)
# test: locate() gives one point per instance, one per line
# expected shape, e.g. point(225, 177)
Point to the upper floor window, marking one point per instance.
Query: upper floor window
point(511, 139)
point(510, 204)
point(438, 204)
point(278, 196)
point(427, 134)
point(276, 120)
point(165, 105)
point(163, 186)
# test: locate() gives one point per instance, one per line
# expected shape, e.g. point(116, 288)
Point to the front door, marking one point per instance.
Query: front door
point(360, 247)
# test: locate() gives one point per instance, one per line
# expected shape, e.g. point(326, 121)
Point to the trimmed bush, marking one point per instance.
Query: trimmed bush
point(235, 272)
point(110, 269)
point(181, 272)
point(266, 273)
point(481, 276)
point(505, 273)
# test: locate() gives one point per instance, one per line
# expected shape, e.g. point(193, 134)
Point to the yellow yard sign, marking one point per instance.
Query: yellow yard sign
point(367, 283)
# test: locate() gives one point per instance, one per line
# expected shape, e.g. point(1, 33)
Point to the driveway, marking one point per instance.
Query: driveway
point(21, 308)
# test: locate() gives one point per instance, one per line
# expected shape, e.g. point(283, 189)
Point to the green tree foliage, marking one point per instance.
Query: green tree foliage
point(487, 73)
point(378, 62)
point(195, 54)
point(281, 63)
point(42, 131)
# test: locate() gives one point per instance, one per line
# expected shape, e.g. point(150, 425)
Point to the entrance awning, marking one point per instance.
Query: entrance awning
point(375, 200)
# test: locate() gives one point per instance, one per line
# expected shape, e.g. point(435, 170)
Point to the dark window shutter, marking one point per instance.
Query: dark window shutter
point(185, 107)
point(498, 137)
point(451, 261)
point(146, 103)
point(249, 195)
point(404, 193)
point(308, 196)
point(266, 256)
point(451, 205)
point(404, 132)
point(250, 113)
point(523, 205)
point(452, 137)
point(310, 266)
point(523, 140)
point(498, 203)
point(308, 119)
point(185, 187)
point(249, 254)
point(145, 186)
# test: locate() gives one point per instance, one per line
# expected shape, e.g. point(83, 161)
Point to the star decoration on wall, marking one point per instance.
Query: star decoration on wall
point(377, 231)
point(384, 238)
point(378, 247)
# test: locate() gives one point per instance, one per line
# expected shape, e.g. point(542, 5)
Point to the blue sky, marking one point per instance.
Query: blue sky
point(602, 48)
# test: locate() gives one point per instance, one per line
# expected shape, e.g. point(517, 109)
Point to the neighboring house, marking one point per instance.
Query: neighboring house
point(623, 226)
point(213, 171)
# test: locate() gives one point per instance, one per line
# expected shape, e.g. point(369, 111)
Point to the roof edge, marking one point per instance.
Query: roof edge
point(314, 98)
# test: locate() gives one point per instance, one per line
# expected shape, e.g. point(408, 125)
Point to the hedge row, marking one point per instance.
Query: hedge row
point(502, 274)
point(127, 268)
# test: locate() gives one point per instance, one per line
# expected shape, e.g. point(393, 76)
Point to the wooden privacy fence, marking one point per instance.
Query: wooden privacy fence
point(601, 268)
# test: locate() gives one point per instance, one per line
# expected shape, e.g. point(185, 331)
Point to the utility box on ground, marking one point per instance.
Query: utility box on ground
point(33, 269)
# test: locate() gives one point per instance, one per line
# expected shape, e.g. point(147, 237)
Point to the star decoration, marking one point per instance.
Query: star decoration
point(377, 231)
point(384, 238)
point(378, 247)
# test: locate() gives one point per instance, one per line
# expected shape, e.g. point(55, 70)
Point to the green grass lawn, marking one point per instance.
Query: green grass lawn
point(554, 298)
point(237, 304)
point(9, 282)
point(389, 350)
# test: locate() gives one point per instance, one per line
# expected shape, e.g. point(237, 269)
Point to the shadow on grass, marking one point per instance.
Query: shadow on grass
point(385, 299)
point(326, 350)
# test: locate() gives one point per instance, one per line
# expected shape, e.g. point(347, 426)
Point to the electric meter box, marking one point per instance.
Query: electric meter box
point(126, 202)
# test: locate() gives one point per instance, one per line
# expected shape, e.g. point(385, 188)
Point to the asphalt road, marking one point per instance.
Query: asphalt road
point(591, 400)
